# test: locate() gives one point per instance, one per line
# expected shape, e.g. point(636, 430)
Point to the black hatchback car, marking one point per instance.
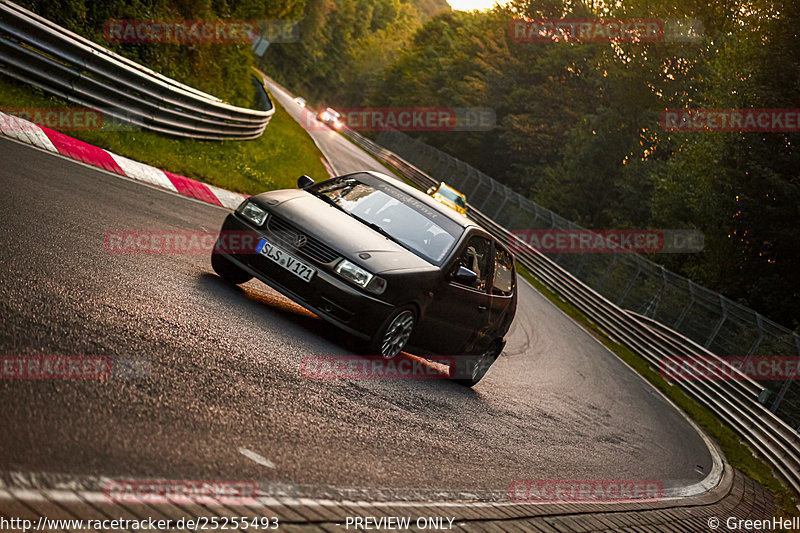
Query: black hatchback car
point(384, 262)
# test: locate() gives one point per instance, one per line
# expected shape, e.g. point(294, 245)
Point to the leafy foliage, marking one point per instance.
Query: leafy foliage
point(221, 69)
point(578, 123)
point(345, 45)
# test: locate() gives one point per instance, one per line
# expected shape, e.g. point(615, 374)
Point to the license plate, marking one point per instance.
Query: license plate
point(286, 260)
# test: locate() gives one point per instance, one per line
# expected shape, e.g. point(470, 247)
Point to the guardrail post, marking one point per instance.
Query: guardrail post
point(582, 263)
point(511, 222)
point(500, 207)
point(786, 384)
point(779, 397)
point(722, 320)
point(652, 306)
point(629, 287)
point(486, 198)
point(606, 273)
point(685, 310)
point(757, 342)
point(477, 185)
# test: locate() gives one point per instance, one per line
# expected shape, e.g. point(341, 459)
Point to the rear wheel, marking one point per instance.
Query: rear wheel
point(393, 336)
point(228, 271)
point(469, 370)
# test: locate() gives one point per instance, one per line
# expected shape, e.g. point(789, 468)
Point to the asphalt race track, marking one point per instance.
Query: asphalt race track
point(343, 156)
point(213, 369)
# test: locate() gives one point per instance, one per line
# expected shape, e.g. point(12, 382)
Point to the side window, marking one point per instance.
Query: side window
point(476, 257)
point(503, 283)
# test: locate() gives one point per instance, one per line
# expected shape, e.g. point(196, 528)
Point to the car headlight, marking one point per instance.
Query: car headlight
point(252, 212)
point(360, 277)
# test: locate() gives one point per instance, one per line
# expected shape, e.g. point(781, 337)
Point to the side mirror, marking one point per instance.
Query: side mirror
point(431, 190)
point(465, 276)
point(304, 182)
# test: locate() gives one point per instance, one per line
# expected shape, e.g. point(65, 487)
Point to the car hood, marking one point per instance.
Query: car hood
point(341, 232)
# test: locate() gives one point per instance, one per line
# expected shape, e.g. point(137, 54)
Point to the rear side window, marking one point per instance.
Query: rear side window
point(503, 283)
point(477, 257)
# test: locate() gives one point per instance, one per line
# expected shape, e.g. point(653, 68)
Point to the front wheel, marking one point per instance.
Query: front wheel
point(393, 335)
point(228, 271)
point(469, 370)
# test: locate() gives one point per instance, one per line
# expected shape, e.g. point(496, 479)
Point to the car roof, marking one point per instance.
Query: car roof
point(461, 220)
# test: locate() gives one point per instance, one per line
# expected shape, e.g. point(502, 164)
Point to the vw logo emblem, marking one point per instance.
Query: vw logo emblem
point(300, 240)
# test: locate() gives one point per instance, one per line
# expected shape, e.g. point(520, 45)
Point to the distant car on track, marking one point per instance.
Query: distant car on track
point(331, 118)
point(299, 100)
point(383, 261)
point(449, 197)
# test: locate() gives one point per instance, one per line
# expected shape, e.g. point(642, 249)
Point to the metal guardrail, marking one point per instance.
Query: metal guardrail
point(736, 402)
point(38, 52)
point(630, 280)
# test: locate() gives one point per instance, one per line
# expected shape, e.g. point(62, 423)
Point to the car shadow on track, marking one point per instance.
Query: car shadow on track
point(266, 299)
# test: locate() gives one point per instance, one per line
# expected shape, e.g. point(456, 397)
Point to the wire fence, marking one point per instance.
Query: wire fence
point(631, 281)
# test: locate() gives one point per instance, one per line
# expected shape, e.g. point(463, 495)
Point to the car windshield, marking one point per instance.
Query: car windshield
point(408, 221)
point(453, 196)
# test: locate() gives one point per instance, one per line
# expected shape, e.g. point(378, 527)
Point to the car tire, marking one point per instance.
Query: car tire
point(469, 370)
point(393, 335)
point(228, 271)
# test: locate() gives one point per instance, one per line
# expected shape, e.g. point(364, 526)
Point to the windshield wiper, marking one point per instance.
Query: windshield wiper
point(324, 197)
point(377, 228)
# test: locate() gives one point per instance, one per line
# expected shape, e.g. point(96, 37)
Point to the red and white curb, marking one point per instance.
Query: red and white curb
point(328, 168)
point(53, 141)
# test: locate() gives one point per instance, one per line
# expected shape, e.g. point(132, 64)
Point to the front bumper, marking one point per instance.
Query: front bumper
point(326, 295)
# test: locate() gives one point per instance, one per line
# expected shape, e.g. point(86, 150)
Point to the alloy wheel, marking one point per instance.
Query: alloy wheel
point(485, 360)
point(397, 334)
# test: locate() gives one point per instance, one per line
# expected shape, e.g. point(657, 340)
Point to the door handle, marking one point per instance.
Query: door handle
point(482, 308)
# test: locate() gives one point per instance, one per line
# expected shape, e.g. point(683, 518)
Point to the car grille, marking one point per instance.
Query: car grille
point(286, 234)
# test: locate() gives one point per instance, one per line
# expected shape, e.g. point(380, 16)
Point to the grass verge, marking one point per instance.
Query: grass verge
point(737, 453)
point(273, 161)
